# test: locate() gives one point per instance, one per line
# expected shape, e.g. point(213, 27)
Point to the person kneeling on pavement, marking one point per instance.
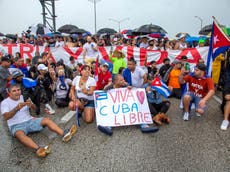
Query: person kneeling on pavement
point(119, 82)
point(158, 108)
point(16, 112)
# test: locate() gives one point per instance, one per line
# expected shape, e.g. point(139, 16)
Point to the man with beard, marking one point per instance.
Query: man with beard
point(200, 90)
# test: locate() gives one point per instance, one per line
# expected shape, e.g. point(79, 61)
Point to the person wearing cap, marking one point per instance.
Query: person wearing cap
point(152, 44)
point(104, 77)
point(45, 81)
point(200, 90)
point(5, 76)
point(173, 80)
point(118, 59)
point(181, 44)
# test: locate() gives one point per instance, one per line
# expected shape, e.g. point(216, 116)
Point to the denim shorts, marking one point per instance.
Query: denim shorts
point(195, 100)
point(33, 125)
point(90, 104)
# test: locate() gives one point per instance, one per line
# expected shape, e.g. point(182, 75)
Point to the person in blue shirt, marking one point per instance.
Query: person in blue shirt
point(157, 106)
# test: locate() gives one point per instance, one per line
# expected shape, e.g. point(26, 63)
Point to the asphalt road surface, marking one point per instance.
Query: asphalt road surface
point(197, 145)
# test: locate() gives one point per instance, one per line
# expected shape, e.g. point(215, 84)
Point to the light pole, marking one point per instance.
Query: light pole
point(95, 13)
point(201, 21)
point(119, 22)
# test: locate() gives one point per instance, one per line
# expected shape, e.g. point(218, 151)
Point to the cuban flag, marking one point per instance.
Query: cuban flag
point(160, 87)
point(219, 43)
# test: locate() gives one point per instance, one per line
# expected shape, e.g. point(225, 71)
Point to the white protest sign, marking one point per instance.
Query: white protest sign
point(122, 106)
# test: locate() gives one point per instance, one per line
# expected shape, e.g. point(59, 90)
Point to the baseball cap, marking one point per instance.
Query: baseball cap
point(16, 74)
point(42, 67)
point(201, 66)
point(5, 58)
point(106, 64)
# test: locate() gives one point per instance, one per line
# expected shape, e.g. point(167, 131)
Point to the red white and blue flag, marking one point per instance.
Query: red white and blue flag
point(219, 43)
point(160, 87)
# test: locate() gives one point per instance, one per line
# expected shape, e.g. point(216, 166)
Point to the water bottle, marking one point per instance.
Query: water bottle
point(187, 66)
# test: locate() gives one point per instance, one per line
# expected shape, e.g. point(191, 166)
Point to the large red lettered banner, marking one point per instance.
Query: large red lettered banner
point(140, 54)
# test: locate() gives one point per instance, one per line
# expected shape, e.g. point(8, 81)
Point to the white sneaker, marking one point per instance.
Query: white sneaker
point(186, 116)
point(224, 125)
point(49, 110)
point(197, 114)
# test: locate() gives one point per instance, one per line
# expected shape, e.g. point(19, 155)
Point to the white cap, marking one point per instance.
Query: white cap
point(42, 67)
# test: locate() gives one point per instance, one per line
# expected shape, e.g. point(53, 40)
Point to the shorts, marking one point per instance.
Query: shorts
point(90, 104)
point(33, 125)
point(89, 60)
point(195, 100)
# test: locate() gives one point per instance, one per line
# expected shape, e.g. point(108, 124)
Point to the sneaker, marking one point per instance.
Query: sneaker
point(145, 128)
point(186, 116)
point(198, 115)
point(107, 130)
point(49, 110)
point(68, 134)
point(42, 152)
point(224, 125)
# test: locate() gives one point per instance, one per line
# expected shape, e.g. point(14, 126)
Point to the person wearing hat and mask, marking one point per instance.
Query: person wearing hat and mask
point(200, 90)
point(104, 77)
point(118, 59)
point(45, 82)
point(4, 76)
point(152, 44)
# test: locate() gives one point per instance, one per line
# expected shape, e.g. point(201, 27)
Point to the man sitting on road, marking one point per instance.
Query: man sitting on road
point(16, 112)
point(119, 82)
point(201, 89)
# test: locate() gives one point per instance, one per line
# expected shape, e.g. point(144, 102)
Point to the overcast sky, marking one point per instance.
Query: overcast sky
point(173, 15)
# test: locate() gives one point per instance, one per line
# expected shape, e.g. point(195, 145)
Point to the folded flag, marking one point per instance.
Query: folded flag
point(160, 87)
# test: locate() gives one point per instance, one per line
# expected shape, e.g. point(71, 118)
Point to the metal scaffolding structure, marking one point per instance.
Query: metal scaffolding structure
point(48, 13)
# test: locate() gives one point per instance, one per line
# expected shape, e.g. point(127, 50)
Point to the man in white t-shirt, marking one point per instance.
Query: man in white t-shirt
point(90, 51)
point(16, 112)
point(134, 75)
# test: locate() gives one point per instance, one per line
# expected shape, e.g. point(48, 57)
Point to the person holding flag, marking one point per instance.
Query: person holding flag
point(155, 89)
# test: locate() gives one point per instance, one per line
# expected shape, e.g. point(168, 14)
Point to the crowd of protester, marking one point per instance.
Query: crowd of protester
point(42, 80)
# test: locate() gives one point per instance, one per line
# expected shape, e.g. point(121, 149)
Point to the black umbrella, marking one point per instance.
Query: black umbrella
point(67, 28)
point(107, 31)
point(149, 28)
point(77, 31)
point(207, 29)
point(1, 34)
point(40, 29)
point(11, 36)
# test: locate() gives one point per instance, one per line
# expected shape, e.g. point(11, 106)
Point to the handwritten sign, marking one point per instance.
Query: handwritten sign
point(123, 106)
